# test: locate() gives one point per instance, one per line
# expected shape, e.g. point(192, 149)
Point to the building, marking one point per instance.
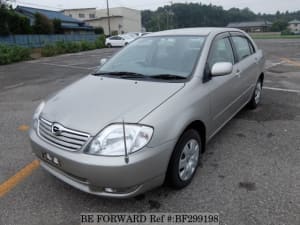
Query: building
point(122, 19)
point(294, 26)
point(68, 24)
point(252, 26)
point(81, 13)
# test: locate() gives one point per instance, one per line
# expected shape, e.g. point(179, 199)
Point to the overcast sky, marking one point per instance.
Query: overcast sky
point(263, 6)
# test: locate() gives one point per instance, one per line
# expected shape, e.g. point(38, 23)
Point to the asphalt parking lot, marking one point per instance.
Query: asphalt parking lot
point(250, 173)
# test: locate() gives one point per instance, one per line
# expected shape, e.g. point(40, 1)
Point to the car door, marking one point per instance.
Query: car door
point(247, 65)
point(122, 41)
point(113, 41)
point(224, 90)
point(117, 41)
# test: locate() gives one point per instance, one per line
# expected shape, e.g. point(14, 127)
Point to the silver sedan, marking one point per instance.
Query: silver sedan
point(145, 116)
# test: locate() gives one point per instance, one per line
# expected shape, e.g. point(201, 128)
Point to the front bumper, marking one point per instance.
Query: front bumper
point(106, 176)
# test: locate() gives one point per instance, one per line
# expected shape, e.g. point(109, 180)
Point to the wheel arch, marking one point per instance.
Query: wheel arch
point(200, 127)
point(262, 77)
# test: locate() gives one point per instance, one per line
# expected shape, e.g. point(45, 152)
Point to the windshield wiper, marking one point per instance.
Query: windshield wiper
point(126, 74)
point(122, 74)
point(167, 77)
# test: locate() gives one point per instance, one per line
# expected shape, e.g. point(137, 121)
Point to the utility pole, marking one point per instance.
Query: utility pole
point(108, 17)
point(169, 14)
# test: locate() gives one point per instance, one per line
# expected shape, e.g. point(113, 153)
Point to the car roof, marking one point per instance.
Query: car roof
point(202, 31)
point(125, 35)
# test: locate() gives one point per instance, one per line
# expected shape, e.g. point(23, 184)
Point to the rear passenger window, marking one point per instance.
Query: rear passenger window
point(221, 51)
point(242, 46)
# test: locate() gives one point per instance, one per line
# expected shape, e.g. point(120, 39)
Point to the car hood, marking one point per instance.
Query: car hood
point(93, 102)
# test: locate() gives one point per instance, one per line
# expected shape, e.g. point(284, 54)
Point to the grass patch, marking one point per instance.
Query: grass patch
point(13, 53)
point(274, 36)
point(63, 47)
point(10, 54)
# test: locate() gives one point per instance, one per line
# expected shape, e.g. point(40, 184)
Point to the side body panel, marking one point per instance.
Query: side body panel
point(213, 102)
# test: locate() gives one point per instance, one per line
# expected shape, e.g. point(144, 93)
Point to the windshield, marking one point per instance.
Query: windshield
point(157, 56)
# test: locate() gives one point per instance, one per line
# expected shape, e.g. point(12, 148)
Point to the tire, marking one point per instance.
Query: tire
point(126, 44)
point(178, 175)
point(109, 45)
point(256, 96)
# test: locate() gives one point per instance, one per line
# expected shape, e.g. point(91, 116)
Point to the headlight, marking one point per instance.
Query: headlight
point(110, 141)
point(37, 113)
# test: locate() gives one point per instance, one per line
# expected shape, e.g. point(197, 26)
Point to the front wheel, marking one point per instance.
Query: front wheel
point(256, 97)
point(185, 159)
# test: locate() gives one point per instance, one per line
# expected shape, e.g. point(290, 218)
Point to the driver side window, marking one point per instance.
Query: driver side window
point(221, 51)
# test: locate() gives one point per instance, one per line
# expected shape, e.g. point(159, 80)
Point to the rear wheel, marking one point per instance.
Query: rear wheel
point(256, 97)
point(109, 45)
point(185, 159)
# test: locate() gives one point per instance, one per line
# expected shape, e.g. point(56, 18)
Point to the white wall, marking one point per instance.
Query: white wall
point(295, 28)
point(74, 13)
point(132, 20)
point(114, 24)
point(126, 20)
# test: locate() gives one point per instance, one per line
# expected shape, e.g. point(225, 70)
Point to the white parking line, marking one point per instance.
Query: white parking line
point(274, 64)
point(14, 86)
point(282, 89)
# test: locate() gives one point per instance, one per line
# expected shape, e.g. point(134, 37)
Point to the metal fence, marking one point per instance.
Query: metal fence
point(37, 41)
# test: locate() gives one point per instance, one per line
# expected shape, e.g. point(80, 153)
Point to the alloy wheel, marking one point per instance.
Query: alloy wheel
point(188, 160)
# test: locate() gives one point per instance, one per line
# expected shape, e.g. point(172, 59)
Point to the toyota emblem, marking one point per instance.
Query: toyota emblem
point(56, 129)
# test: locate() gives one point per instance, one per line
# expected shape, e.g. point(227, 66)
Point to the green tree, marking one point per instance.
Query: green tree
point(99, 30)
point(18, 24)
point(279, 25)
point(4, 29)
point(199, 15)
point(12, 22)
point(42, 25)
point(193, 15)
point(57, 29)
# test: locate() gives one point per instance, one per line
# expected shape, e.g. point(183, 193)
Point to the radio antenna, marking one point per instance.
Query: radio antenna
point(125, 145)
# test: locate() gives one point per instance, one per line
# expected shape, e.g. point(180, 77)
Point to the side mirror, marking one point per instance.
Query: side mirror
point(103, 61)
point(221, 69)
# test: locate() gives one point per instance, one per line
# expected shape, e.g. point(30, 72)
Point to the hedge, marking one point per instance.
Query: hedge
point(62, 47)
point(10, 54)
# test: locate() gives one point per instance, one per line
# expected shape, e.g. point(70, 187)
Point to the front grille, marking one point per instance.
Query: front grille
point(68, 139)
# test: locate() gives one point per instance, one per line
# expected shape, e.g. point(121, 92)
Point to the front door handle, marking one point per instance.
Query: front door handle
point(238, 73)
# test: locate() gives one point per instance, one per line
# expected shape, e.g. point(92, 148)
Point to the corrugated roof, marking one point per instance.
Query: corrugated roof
point(49, 14)
point(294, 22)
point(249, 24)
